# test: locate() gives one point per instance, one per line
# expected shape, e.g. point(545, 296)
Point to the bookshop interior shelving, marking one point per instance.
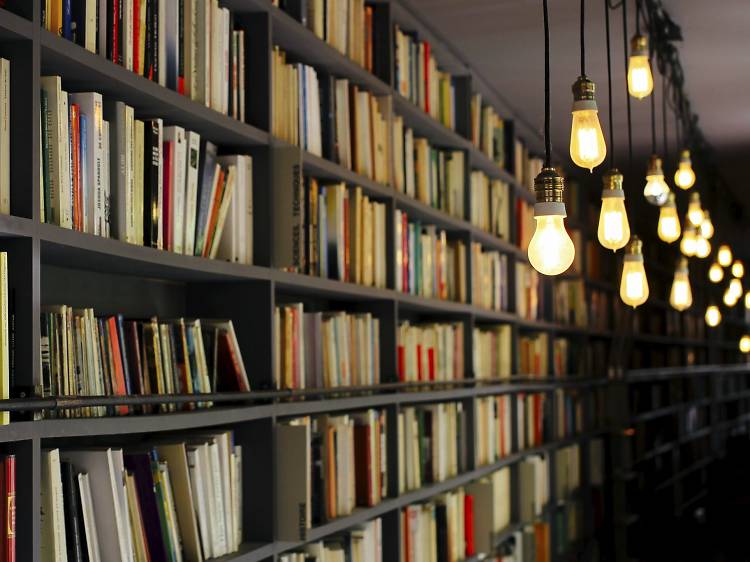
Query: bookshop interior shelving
point(590, 352)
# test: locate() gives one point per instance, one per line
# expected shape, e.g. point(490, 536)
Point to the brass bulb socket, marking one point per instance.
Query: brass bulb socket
point(549, 186)
point(695, 197)
point(654, 166)
point(584, 89)
point(635, 248)
point(685, 156)
point(639, 46)
point(670, 204)
point(613, 179)
point(682, 265)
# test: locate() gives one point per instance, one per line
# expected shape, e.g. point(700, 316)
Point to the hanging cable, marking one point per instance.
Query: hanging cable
point(653, 124)
point(627, 94)
point(638, 17)
point(547, 141)
point(609, 84)
point(583, 37)
point(664, 115)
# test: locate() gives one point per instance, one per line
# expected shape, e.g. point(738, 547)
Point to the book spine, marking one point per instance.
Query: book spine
point(9, 511)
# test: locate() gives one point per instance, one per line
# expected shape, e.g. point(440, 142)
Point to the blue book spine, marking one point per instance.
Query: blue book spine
point(83, 169)
point(67, 29)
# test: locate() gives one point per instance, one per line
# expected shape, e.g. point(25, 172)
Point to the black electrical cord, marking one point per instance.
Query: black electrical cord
point(664, 115)
point(609, 84)
point(583, 38)
point(627, 93)
point(547, 141)
point(637, 17)
point(653, 123)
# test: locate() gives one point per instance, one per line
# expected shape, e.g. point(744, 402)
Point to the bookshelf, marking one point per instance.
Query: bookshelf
point(49, 264)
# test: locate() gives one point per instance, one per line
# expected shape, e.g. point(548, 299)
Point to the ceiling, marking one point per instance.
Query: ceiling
point(503, 40)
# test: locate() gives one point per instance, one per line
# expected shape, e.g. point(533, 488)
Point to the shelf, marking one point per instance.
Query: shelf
point(14, 27)
point(82, 70)
point(424, 125)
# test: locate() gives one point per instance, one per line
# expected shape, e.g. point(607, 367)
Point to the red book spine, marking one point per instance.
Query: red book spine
point(537, 419)
point(469, 524)
point(426, 76)
point(166, 232)
point(401, 365)
point(115, 31)
point(75, 160)
point(9, 513)
point(136, 36)
point(420, 376)
point(114, 342)
point(431, 363)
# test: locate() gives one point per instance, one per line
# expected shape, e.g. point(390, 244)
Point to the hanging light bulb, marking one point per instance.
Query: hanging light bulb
point(729, 297)
point(634, 284)
point(745, 344)
point(715, 273)
point(735, 287)
point(695, 211)
point(614, 229)
point(640, 79)
point(668, 227)
point(738, 269)
point(702, 247)
point(707, 227)
point(747, 300)
point(684, 177)
point(551, 250)
point(724, 256)
point(587, 146)
point(713, 315)
point(688, 242)
point(681, 295)
point(656, 191)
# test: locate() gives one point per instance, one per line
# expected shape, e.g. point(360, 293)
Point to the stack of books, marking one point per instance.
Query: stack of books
point(488, 131)
point(492, 428)
point(430, 352)
point(180, 498)
point(427, 263)
point(489, 275)
point(329, 464)
point(419, 79)
point(104, 172)
point(492, 352)
point(363, 543)
point(191, 46)
point(325, 349)
point(490, 204)
point(85, 355)
point(432, 442)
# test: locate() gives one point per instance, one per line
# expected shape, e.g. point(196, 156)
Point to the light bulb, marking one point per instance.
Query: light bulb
point(745, 344)
point(688, 242)
point(668, 227)
point(729, 298)
point(702, 247)
point(551, 250)
point(640, 79)
point(713, 315)
point(681, 295)
point(614, 229)
point(738, 269)
point(707, 227)
point(587, 146)
point(724, 256)
point(715, 273)
point(684, 177)
point(695, 211)
point(735, 287)
point(747, 299)
point(634, 284)
point(656, 191)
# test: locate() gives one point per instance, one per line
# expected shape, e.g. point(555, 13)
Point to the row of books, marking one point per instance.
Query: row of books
point(493, 428)
point(107, 173)
point(567, 471)
point(430, 352)
point(570, 409)
point(530, 543)
point(525, 166)
point(427, 263)
point(85, 355)
point(192, 46)
point(532, 426)
point(488, 131)
point(525, 223)
point(489, 277)
point(331, 464)
point(492, 352)
point(363, 543)
point(569, 303)
point(490, 204)
point(569, 360)
point(419, 79)
point(459, 524)
point(325, 350)
point(180, 498)
point(533, 476)
point(529, 293)
point(533, 355)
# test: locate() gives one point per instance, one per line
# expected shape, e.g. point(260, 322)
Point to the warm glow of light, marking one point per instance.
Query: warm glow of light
point(713, 315)
point(715, 273)
point(634, 284)
point(695, 211)
point(729, 298)
point(614, 229)
point(587, 146)
point(656, 190)
point(707, 227)
point(745, 344)
point(724, 256)
point(684, 177)
point(688, 243)
point(747, 300)
point(702, 247)
point(640, 79)
point(551, 250)
point(668, 227)
point(735, 287)
point(738, 269)
point(681, 295)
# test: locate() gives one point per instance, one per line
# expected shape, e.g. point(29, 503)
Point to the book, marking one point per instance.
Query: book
point(293, 487)
point(430, 352)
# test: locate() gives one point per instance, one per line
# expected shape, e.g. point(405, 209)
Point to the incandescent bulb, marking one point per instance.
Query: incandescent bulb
point(640, 78)
point(656, 191)
point(747, 299)
point(587, 146)
point(614, 229)
point(745, 344)
point(738, 269)
point(634, 284)
point(735, 287)
point(713, 315)
point(707, 227)
point(724, 256)
point(715, 273)
point(668, 227)
point(695, 211)
point(729, 298)
point(702, 247)
point(684, 177)
point(551, 250)
point(681, 295)
point(688, 242)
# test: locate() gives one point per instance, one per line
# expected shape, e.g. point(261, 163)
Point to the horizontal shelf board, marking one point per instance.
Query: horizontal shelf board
point(249, 552)
point(14, 27)
point(327, 170)
point(16, 227)
point(425, 126)
point(310, 285)
point(82, 70)
point(638, 375)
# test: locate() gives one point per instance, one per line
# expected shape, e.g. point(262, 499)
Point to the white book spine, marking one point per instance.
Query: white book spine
point(89, 519)
point(127, 33)
point(191, 190)
point(197, 481)
point(178, 190)
point(162, 47)
point(106, 178)
point(160, 184)
point(66, 199)
point(129, 175)
point(218, 516)
point(248, 210)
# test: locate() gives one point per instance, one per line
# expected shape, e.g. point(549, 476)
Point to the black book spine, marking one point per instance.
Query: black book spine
point(328, 115)
point(111, 55)
point(155, 41)
point(441, 522)
point(297, 9)
point(181, 47)
point(73, 524)
point(151, 185)
point(148, 46)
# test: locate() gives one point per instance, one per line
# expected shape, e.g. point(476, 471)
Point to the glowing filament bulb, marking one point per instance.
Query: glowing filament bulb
point(634, 284)
point(747, 300)
point(551, 250)
point(689, 242)
point(745, 344)
point(640, 78)
point(587, 146)
point(713, 315)
point(707, 227)
point(614, 229)
point(729, 298)
point(684, 177)
point(724, 256)
point(702, 247)
point(715, 273)
point(656, 190)
point(681, 295)
point(668, 227)
point(738, 269)
point(695, 211)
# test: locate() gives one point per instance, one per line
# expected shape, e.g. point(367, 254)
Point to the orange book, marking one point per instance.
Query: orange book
point(75, 161)
point(118, 384)
point(214, 216)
